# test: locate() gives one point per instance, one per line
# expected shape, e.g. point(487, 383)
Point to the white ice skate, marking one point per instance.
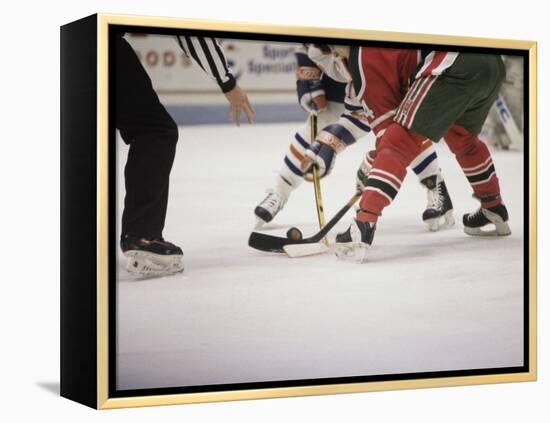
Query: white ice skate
point(353, 244)
point(150, 257)
point(272, 204)
point(146, 264)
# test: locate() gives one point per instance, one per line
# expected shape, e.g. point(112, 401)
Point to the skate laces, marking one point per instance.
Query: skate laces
point(474, 216)
point(273, 201)
point(435, 197)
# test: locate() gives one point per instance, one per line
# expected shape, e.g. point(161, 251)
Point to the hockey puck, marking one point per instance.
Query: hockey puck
point(294, 234)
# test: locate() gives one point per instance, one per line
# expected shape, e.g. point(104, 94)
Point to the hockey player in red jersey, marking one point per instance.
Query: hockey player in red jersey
point(328, 93)
point(409, 96)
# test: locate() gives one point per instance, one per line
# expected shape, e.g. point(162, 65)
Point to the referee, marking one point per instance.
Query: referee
point(152, 134)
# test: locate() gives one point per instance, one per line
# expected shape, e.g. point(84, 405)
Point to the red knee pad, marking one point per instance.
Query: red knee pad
point(475, 159)
point(401, 142)
point(395, 151)
point(467, 147)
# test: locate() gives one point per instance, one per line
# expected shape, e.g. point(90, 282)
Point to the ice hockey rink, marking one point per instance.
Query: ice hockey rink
point(423, 302)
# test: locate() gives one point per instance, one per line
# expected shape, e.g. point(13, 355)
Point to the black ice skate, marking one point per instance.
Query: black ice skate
point(439, 210)
point(272, 204)
point(492, 221)
point(151, 257)
point(352, 245)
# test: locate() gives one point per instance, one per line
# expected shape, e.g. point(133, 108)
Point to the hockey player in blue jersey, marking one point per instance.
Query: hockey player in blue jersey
point(340, 116)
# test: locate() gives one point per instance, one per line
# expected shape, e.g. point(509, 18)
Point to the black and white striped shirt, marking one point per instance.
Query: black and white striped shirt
point(208, 54)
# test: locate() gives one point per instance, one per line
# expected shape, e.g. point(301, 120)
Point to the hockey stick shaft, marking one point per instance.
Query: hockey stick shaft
point(275, 244)
point(316, 177)
point(332, 222)
point(318, 196)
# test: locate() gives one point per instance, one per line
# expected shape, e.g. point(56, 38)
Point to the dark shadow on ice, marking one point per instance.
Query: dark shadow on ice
point(51, 387)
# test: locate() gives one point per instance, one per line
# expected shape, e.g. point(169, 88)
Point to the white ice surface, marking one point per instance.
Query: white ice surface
point(424, 301)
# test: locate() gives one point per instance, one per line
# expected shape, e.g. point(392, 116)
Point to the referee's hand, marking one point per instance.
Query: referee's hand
point(238, 102)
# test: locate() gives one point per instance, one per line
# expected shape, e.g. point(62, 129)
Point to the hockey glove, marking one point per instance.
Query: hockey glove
point(321, 154)
point(311, 94)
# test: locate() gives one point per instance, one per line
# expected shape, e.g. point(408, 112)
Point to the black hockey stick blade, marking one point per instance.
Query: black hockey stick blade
point(270, 243)
point(275, 244)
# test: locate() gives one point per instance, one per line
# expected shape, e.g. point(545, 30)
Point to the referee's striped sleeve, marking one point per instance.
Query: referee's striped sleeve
point(209, 55)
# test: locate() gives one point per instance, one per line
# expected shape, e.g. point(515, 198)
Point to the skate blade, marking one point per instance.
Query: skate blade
point(142, 263)
point(259, 223)
point(353, 252)
point(303, 250)
point(498, 225)
point(442, 222)
point(494, 229)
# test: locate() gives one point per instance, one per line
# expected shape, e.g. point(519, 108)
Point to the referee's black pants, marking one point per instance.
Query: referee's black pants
point(152, 134)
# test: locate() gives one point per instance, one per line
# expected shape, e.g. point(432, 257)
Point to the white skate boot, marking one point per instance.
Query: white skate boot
point(272, 204)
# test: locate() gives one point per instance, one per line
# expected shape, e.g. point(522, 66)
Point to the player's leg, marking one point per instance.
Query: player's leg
point(439, 209)
point(455, 104)
point(475, 159)
point(473, 155)
point(431, 106)
point(152, 135)
point(290, 176)
point(395, 152)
